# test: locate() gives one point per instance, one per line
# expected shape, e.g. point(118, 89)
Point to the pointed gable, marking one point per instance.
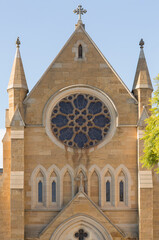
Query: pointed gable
point(143, 117)
point(80, 205)
point(17, 119)
point(79, 36)
point(68, 69)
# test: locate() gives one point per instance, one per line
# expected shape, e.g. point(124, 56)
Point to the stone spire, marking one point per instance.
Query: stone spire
point(142, 76)
point(17, 77)
point(17, 87)
point(142, 88)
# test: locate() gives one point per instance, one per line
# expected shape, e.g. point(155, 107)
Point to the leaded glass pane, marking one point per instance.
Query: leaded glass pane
point(40, 191)
point(53, 191)
point(80, 120)
point(107, 191)
point(121, 186)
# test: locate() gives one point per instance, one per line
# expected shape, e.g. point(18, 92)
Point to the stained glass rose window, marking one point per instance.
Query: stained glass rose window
point(80, 120)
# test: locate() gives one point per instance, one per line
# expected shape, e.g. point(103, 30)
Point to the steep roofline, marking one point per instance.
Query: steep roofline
point(65, 45)
point(113, 70)
point(80, 26)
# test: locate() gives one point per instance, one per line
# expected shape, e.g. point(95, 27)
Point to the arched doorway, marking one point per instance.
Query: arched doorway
point(80, 227)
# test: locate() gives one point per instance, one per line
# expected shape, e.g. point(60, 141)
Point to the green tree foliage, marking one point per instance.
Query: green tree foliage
point(151, 135)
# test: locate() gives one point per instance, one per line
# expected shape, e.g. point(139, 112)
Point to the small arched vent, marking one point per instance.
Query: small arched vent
point(80, 51)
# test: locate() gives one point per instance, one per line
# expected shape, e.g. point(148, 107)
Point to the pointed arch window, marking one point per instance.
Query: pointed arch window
point(108, 191)
point(124, 183)
point(80, 51)
point(53, 191)
point(40, 186)
point(121, 191)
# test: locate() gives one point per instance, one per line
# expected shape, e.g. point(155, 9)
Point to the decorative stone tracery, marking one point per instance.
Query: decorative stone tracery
point(80, 120)
point(80, 117)
point(81, 234)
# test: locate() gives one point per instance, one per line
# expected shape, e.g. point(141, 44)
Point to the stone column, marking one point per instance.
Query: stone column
point(17, 181)
point(145, 196)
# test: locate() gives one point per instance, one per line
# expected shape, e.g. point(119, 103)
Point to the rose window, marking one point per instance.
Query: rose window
point(80, 120)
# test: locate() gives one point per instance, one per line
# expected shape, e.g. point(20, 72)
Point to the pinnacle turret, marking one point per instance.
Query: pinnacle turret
point(17, 77)
point(142, 76)
point(17, 87)
point(142, 88)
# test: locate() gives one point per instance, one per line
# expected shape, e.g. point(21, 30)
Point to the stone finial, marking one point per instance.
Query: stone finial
point(18, 42)
point(141, 43)
point(80, 11)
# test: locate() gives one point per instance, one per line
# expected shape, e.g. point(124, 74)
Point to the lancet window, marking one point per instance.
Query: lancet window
point(108, 183)
point(108, 191)
point(122, 188)
point(40, 191)
point(54, 184)
point(80, 51)
point(53, 191)
point(40, 188)
point(121, 191)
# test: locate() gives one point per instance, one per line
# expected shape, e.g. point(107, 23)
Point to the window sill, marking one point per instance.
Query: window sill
point(43, 210)
point(122, 208)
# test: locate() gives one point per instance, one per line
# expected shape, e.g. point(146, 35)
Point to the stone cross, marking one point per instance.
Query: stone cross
point(81, 235)
point(80, 11)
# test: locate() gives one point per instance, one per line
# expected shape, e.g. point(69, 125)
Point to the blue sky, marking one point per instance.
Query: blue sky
point(44, 27)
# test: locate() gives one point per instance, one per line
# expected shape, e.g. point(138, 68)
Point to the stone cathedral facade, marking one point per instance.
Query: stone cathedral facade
point(71, 165)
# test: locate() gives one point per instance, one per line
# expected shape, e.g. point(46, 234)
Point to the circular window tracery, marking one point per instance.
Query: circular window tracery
point(80, 120)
